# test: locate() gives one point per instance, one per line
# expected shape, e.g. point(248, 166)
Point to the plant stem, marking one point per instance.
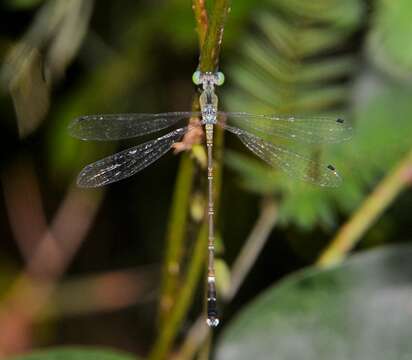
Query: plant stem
point(202, 21)
point(253, 246)
point(194, 339)
point(194, 272)
point(175, 235)
point(210, 46)
point(209, 58)
point(183, 299)
point(377, 202)
point(242, 266)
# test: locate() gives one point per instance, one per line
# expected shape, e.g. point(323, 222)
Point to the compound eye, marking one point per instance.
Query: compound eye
point(220, 78)
point(196, 78)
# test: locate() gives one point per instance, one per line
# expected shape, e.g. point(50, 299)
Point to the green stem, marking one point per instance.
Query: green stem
point(194, 272)
point(372, 208)
point(209, 58)
point(198, 334)
point(202, 22)
point(176, 233)
point(183, 299)
point(183, 190)
point(213, 33)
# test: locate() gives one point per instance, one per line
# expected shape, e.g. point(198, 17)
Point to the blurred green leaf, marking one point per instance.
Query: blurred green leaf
point(389, 42)
point(359, 310)
point(223, 275)
point(23, 4)
point(76, 353)
point(383, 125)
point(333, 12)
point(41, 57)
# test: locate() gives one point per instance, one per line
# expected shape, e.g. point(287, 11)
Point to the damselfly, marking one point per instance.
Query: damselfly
point(252, 130)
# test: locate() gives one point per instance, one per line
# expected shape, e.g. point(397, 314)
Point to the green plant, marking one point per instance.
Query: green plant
point(297, 63)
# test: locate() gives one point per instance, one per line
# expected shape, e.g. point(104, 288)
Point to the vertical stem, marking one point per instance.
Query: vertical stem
point(198, 333)
point(208, 62)
point(209, 57)
point(184, 298)
point(176, 233)
point(202, 22)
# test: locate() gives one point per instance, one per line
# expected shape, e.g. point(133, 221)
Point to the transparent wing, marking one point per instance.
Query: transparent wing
point(294, 164)
point(123, 126)
point(128, 162)
point(310, 129)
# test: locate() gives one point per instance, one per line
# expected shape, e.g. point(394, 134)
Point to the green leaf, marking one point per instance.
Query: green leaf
point(389, 45)
point(359, 310)
point(76, 353)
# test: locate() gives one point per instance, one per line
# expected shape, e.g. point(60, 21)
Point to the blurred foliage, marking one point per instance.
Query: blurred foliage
point(41, 58)
point(300, 62)
point(389, 45)
point(297, 64)
point(76, 353)
point(22, 4)
point(359, 310)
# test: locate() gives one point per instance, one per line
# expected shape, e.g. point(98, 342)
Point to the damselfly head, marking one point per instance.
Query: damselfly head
point(208, 78)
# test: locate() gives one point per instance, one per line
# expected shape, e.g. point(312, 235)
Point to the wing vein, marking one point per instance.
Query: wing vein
point(127, 162)
point(309, 129)
point(294, 164)
point(123, 126)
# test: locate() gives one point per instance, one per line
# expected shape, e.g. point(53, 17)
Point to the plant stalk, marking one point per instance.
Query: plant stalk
point(176, 233)
point(372, 208)
point(210, 49)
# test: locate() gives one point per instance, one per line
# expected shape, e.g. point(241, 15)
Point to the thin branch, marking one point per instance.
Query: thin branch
point(21, 186)
point(253, 246)
point(194, 339)
point(373, 207)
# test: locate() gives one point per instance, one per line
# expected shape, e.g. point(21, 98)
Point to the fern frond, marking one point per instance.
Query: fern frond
point(286, 68)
